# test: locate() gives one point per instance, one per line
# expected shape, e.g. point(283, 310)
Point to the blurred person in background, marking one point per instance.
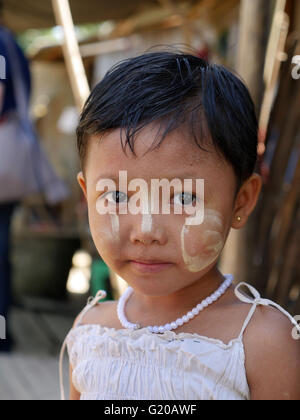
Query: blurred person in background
point(18, 138)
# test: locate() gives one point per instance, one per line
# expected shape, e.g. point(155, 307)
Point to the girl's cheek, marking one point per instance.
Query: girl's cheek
point(105, 230)
point(106, 227)
point(201, 245)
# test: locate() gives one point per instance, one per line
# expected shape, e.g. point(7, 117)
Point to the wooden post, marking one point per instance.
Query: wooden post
point(72, 55)
point(253, 36)
point(237, 256)
point(285, 125)
point(275, 56)
point(282, 268)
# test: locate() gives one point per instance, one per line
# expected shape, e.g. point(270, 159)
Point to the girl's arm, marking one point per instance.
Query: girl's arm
point(74, 394)
point(273, 357)
point(91, 316)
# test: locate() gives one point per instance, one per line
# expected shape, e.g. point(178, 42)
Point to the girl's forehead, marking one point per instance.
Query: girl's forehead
point(176, 156)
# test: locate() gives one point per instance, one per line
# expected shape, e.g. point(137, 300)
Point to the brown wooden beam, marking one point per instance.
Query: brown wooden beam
point(72, 55)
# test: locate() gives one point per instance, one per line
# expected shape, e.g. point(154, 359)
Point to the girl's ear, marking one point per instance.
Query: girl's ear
point(246, 200)
point(82, 183)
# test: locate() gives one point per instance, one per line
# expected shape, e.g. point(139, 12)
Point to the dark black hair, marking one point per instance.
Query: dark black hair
point(175, 89)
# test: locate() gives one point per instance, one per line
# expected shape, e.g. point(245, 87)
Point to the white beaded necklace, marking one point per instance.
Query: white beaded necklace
point(180, 321)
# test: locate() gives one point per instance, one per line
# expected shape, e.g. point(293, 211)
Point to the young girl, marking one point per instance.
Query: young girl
point(181, 330)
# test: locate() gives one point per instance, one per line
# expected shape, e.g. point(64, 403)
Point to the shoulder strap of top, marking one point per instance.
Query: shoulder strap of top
point(257, 300)
point(92, 301)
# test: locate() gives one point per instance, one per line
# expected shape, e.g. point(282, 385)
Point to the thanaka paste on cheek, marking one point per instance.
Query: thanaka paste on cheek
point(114, 233)
point(201, 245)
point(115, 226)
point(105, 232)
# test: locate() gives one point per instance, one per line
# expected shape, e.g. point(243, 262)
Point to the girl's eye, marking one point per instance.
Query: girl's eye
point(117, 197)
point(185, 199)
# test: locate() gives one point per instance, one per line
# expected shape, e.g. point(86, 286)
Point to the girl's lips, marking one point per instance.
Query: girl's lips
point(150, 268)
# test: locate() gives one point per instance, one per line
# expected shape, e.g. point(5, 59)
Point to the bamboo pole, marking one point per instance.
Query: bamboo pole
point(252, 46)
point(237, 255)
point(275, 56)
point(71, 51)
point(76, 71)
point(280, 269)
point(280, 121)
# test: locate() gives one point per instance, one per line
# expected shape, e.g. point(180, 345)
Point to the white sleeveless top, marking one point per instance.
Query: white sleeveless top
point(124, 364)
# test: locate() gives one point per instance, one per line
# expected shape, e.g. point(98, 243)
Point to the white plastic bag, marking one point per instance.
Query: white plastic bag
point(24, 166)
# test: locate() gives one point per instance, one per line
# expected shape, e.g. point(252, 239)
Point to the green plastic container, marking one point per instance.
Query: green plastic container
point(100, 279)
point(41, 265)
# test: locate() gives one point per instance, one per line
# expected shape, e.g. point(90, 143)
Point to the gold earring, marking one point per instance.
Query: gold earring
point(238, 218)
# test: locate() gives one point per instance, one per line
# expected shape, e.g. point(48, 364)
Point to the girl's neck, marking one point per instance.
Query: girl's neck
point(140, 305)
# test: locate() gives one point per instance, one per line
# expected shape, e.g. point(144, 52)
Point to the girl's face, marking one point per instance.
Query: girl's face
point(191, 250)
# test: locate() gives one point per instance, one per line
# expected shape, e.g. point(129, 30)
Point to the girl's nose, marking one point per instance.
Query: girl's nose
point(147, 230)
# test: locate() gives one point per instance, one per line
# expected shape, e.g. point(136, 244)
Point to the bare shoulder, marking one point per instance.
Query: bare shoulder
point(104, 313)
point(272, 356)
